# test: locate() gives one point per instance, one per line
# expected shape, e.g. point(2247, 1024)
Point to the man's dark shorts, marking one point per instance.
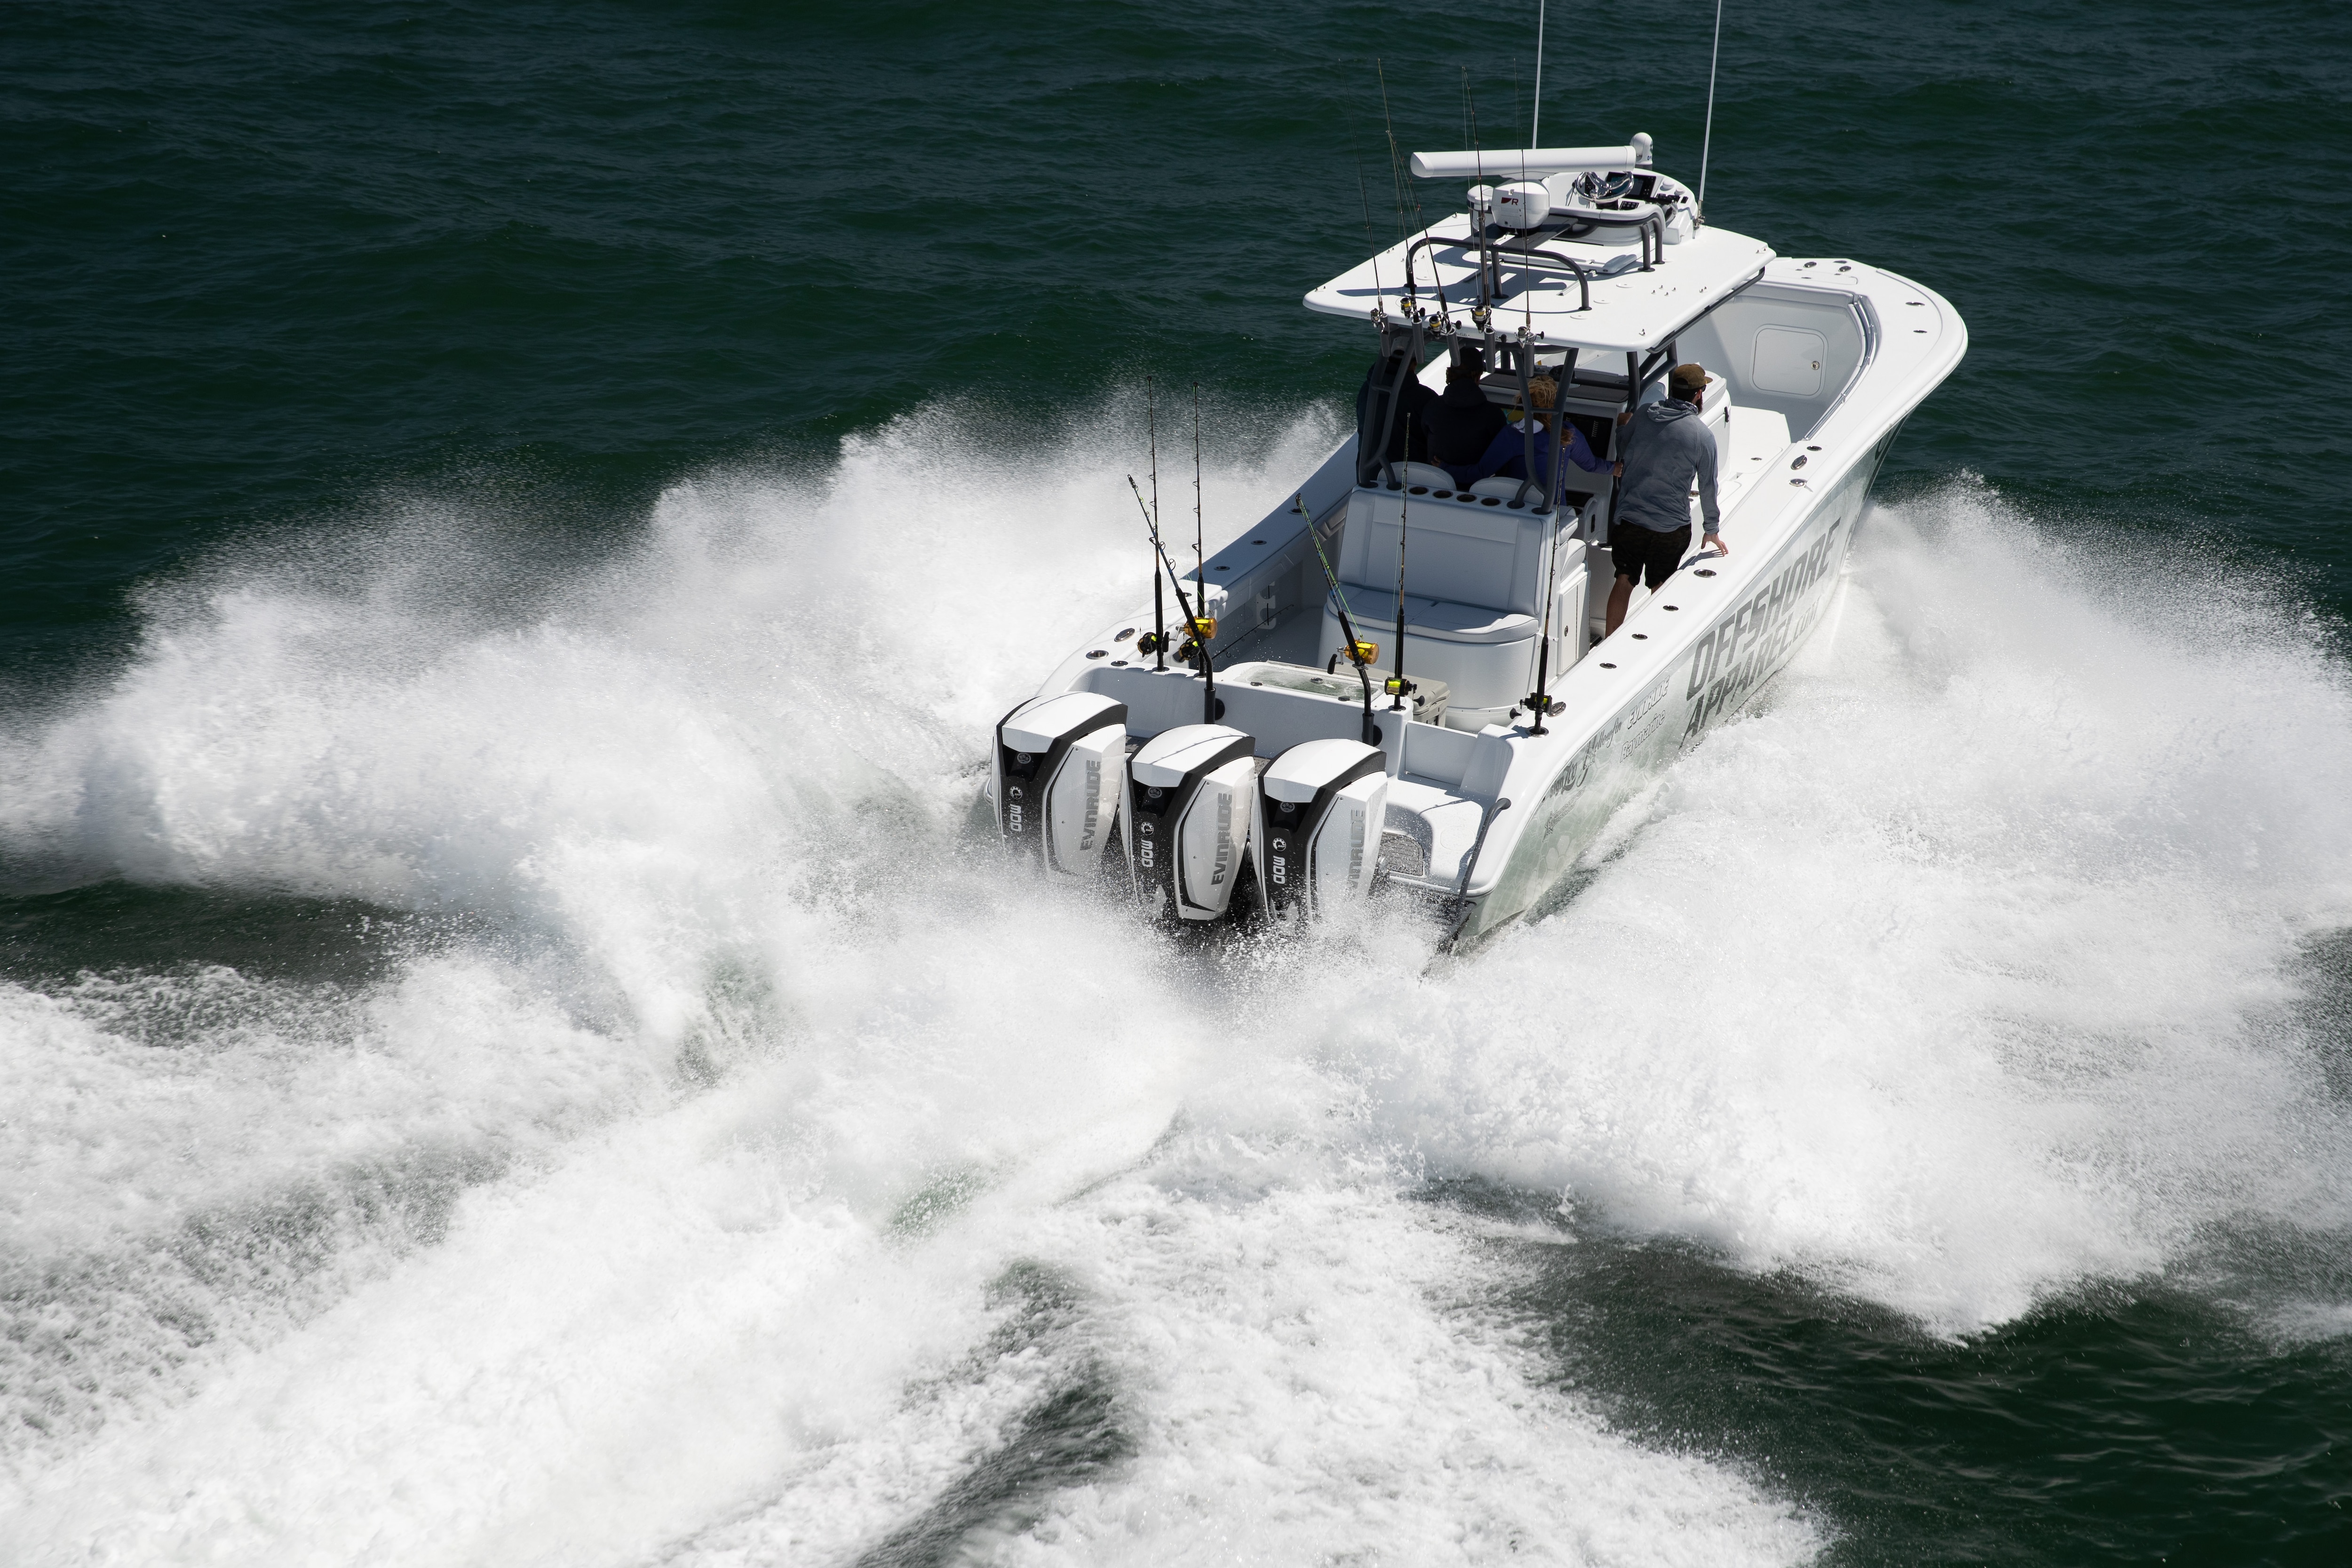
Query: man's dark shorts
point(1640, 551)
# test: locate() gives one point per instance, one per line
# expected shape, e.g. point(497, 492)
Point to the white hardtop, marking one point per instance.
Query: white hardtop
point(1631, 312)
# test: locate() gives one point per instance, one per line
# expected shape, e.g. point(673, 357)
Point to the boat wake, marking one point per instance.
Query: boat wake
point(712, 1157)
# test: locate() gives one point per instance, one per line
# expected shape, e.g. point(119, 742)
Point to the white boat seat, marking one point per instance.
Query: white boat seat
point(1467, 553)
point(1429, 474)
point(1486, 656)
point(1445, 620)
point(1505, 489)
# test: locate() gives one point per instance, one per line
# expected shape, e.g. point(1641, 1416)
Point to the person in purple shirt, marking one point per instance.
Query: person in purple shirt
point(1506, 455)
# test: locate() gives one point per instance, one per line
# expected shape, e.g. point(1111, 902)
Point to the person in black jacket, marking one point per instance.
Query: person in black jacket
point(1408, 430)
point(1463, 423)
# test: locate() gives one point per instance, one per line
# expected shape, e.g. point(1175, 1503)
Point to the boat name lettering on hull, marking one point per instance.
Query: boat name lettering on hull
point(1739, 651)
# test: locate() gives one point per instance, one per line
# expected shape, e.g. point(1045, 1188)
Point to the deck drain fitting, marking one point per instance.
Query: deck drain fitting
point(1605, 665)
point(1096, 652)
point(1674, 607)
point(1706, 572)
point(1641, 636)
point(1124, 633)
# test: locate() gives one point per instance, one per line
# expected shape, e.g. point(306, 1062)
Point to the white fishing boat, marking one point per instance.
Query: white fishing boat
point(1397, 684)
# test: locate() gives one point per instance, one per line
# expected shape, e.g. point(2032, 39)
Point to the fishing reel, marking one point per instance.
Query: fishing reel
point(1150, 642)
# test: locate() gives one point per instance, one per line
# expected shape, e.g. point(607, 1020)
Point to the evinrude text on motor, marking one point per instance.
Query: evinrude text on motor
point(1187, 817)
point(1056, 779)
point(1321, 809)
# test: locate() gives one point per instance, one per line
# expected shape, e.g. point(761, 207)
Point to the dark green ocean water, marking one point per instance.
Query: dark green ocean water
point(415, 330)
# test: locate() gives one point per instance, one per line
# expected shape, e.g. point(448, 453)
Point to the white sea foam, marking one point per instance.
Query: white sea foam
point(807, 1165)
point(1959, 974)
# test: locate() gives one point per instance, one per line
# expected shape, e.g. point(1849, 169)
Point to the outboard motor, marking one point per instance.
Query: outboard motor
point(1321, 810)
point(1057, 771)
point(1187, 817)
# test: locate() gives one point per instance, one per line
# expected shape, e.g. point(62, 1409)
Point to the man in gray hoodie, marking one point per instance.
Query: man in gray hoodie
point(1661, 448)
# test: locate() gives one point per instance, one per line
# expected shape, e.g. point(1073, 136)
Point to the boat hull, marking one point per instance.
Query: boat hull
point(1749, 639)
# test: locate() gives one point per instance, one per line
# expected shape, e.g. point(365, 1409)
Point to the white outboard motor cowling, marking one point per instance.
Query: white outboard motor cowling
point(1321, 810)
point(1187, 817)
point(1056, 779)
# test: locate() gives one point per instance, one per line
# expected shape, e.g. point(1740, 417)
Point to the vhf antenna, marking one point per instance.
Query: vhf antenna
point(1706, 144)
point(1535, 119)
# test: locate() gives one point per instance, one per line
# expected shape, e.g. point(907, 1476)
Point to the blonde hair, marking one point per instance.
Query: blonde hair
point(1543, 391)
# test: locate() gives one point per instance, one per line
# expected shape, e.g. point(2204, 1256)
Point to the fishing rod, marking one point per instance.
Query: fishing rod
point(1158, 601)
point(1478, 312)
point(1204, 624)
point(1390, 394)
point(1396, 177)
point(1539, 700)
point(1380, 298)
point(1397, 685)
point(1182, 602)
point(1359, 653)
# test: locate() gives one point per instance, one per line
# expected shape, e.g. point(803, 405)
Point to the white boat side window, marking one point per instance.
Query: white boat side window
point(1788, 360)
